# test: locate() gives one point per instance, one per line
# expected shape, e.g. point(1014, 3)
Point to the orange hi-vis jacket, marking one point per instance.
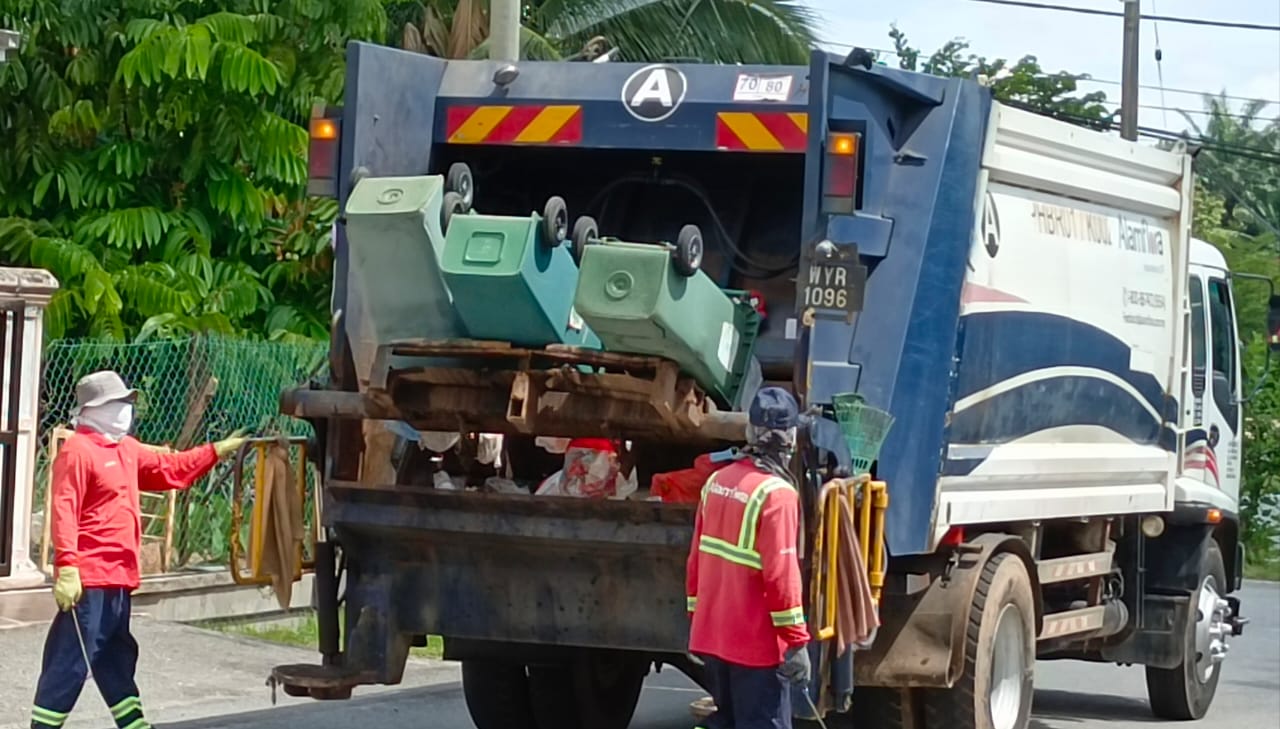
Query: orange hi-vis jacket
point(97, 520)
point(743, 578)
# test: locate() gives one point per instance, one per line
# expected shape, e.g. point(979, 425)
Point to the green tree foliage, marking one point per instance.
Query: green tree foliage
point(726, 31)
point(155, 163)
point(1023, 83)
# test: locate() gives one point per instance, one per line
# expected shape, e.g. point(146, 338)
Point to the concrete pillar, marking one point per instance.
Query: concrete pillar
point(24, 292)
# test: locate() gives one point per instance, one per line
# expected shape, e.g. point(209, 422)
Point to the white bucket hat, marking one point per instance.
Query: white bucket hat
point(100, 388)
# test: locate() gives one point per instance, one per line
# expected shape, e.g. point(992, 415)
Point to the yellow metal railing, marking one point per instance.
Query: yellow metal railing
point(867, 501)
point(255, 574)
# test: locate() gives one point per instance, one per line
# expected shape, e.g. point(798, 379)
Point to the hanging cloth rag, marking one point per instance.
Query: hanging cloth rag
point(857, 615)
point(281, 522)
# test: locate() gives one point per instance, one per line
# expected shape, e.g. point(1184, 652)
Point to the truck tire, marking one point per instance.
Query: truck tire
point(598, 690)
point(497, 695)
point(1184, 693)
point(994, 692)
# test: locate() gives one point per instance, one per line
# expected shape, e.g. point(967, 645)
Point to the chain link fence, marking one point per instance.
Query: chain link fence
point(190, 391)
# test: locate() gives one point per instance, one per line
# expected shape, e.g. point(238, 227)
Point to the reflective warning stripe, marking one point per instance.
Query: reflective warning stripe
point(125, 706)
point(785, 618)
point(137, 724)
point(48, 717)
point(692, 603)
point(751, 517)
point(772, 131)
point(508, 124)
point(726, 551)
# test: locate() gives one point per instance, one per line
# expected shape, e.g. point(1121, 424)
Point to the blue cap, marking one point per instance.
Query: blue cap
point(774, 408)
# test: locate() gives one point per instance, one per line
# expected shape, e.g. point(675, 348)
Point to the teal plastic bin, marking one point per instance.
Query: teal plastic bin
point(508, 285)
point(633, 298)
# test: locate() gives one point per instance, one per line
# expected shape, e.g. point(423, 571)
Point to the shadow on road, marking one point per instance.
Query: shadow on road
point(1073, 707)
point(370, 710)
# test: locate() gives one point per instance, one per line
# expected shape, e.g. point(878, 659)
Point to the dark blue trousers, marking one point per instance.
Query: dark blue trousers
point(747, 698)
point(103, 614)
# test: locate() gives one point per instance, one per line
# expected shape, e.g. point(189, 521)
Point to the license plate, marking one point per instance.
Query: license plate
point(754, 87)
point(836, 284)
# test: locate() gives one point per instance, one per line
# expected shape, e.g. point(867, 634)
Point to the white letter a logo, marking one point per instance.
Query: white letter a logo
point(654, 88)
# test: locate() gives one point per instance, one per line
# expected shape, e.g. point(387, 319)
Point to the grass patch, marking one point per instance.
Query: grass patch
point(305, 633)
point(1263, 570)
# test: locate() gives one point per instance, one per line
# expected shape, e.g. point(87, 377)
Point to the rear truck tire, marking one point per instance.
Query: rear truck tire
point(599, 689)
point(497, 695)
point(688, 252)
point(555, 222)
point(881, 708)
point(995, 689)
point(1185, 692)
point(585, 233)
point(451, 206)
point(461, 181)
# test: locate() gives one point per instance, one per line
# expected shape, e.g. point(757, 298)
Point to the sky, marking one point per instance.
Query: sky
point(1197, 58)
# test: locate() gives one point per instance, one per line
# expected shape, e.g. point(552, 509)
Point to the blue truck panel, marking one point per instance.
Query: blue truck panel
point(919, 176)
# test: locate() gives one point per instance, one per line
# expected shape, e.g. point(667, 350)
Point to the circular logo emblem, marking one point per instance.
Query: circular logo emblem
point(390, 196)
point(654, 92)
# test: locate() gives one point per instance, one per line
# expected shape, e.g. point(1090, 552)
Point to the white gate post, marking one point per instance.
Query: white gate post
point(29, 289)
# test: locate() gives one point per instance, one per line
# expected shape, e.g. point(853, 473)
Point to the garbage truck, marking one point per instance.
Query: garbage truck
point(537, 251)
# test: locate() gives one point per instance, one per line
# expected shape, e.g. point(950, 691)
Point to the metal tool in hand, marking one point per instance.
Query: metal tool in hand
point(80, 637)
point(817, 715)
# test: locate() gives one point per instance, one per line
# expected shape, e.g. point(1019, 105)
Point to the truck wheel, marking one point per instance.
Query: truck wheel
point(995, 689)
point(451, 206)
point(555, 222)
point(497, 695)
point(1185, 692)
point(607, 685)
point(598, 690)
point(552, 698)
point(585, 233)
point(688, 253)
point(459, 180)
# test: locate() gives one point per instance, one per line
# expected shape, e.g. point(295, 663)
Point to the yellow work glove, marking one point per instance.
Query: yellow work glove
point(67, 589)
point(230, 444)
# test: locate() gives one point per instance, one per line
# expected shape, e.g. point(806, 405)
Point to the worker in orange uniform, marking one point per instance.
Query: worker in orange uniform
point(97, 536)
point(743, 580)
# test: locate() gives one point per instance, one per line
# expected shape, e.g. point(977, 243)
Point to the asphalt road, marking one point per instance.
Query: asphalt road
point(1069, 695)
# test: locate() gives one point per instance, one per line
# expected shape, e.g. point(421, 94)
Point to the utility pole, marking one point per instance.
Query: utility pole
point(10, 40)
point(504, 30)
point(1129, 89)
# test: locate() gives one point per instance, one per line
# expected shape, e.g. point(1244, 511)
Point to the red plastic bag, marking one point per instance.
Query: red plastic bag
point(684, 486)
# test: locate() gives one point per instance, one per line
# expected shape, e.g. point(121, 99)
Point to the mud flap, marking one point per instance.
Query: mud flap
point(921, 642)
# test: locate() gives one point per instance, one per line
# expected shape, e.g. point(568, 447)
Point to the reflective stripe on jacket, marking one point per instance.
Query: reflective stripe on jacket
point(743, 578)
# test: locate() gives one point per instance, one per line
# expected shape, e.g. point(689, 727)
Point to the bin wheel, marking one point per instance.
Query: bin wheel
point(585, 233)
point(452, 206)
point(460, 180)
point(555, 222)
point(688, 252)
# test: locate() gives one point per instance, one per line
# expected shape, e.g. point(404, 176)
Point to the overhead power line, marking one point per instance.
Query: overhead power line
point(1115, 14)
point(1089, 80)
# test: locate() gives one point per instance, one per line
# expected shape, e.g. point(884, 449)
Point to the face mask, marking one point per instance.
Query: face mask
point(113, 420)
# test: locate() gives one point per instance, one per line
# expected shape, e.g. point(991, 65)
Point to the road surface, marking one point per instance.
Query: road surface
point(229, 695)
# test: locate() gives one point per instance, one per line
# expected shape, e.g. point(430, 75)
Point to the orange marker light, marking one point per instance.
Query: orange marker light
point(843, 145)
point(324, 129)
point(1214, 516)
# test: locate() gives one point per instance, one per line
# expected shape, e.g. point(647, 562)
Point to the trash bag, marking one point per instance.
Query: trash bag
point(591, 470)
point(685, 486)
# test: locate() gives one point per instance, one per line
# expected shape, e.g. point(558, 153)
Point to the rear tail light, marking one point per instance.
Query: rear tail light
point(840, 183)
point(322, 153)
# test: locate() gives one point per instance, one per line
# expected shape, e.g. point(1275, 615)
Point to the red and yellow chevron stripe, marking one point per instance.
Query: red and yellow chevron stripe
point(762, 131)
point(531, 124)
